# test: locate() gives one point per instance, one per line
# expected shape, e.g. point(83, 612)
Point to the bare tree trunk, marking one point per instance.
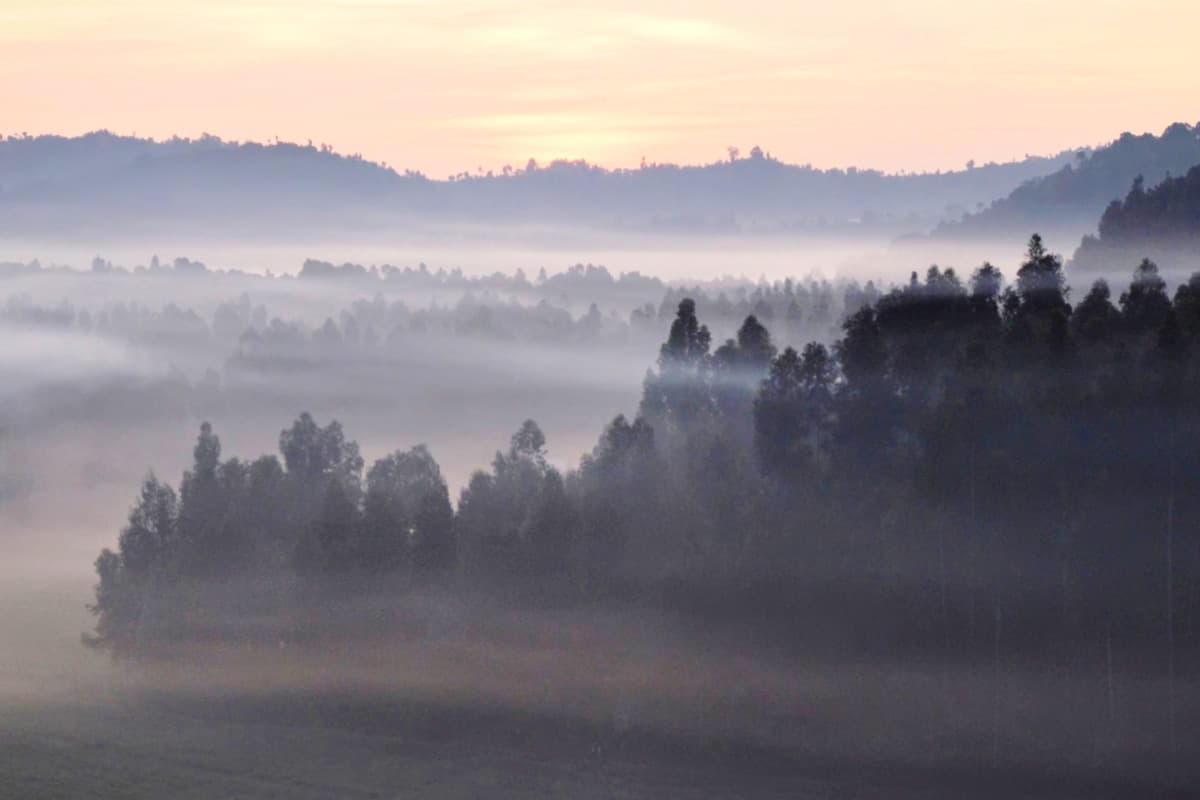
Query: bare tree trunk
point(1063, 590)
point(996, 689)
point(1171, 621)
point(1104, 741)
point(1108, 658)
point(946, 702)
point(973, 541)
point(1193, 595)
point(943, 589)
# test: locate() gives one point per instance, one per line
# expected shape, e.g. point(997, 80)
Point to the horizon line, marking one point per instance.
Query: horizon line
point(734, 153)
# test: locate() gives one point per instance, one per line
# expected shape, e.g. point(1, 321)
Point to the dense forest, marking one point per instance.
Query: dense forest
point(969, 456)
point(1163, 222)
point(149, 350)
point(1072, 198)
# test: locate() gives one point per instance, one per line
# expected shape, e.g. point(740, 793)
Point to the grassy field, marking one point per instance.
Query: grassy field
point(556, 706)
point(111, 751)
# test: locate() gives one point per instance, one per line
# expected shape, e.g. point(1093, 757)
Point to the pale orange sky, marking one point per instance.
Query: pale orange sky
point(444, 86)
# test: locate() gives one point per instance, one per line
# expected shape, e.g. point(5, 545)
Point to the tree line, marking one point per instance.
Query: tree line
point(1162, 221)
point(495, 308)
point(966, 449)
point(1080, 190)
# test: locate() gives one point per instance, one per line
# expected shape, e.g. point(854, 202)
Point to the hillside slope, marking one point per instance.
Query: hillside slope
point(107, 182)
point(1068, 202)
point(1161, 223)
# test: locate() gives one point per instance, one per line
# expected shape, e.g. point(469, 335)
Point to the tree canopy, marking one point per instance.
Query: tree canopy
point(986, 430)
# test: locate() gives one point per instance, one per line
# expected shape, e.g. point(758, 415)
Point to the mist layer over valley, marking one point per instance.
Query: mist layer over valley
point(799, 482)
point(623, 399)
point(260, 206)
point(754, 541)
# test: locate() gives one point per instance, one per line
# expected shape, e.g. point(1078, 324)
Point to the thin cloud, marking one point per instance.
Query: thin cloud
point(695, 32)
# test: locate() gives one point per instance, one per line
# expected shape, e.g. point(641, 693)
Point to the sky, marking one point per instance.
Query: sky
point(443, 86)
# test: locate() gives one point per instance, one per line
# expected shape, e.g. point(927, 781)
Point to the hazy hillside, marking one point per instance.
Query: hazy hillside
point(101, 180)
point(115, 183)
point(1069, 201)
point(1162, 223)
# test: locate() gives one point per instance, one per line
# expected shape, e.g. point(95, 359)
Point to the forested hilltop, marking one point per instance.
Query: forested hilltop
point(968, 450)
point(1070, 200)
point(1162, 222)
point(126, 185)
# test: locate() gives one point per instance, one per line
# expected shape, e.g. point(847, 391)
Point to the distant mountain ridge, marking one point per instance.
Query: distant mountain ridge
point(105, 181)
point(1070, 200)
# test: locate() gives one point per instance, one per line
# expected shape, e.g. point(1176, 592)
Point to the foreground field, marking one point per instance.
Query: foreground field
point(122, 750)
point(560, 706)
point(117, 752)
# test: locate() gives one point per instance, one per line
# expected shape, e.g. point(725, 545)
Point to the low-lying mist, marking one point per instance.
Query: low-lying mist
point(482, 250)
point(595, 686)
point(912, 532)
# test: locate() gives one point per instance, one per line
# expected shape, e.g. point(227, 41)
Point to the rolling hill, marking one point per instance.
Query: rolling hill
point(1067, 202)
point(102, 181)
point(1161, 223)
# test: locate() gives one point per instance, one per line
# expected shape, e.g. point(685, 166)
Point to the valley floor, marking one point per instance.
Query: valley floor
point(72, 726)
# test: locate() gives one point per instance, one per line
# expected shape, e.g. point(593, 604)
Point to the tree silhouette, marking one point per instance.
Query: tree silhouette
point(958, 447)
point(407, 513)
point(1146, 306)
